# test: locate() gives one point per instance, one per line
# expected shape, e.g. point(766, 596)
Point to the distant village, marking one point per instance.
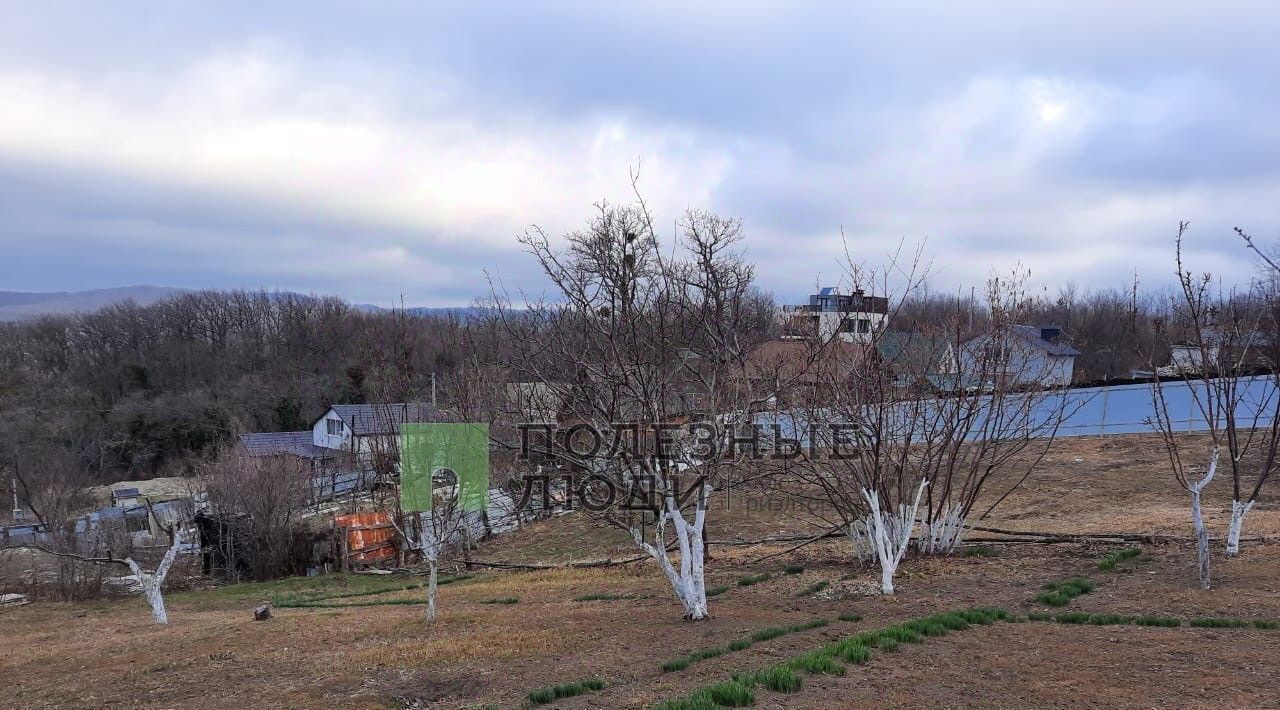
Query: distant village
point(347, 452)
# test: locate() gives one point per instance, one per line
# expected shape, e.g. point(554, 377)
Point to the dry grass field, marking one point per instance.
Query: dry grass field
point(364, 652)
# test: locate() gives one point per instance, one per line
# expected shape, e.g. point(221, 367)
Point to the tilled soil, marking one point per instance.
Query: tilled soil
point(212, 654)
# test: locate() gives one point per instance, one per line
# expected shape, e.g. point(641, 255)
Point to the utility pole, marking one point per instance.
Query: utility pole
point(433, 391)
point(17, 510)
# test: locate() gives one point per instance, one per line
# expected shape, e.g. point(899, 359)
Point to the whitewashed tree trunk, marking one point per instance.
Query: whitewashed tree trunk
point(429, 544)
point(689, 581)
point(890, 543)
point(945, 535)
point(153, 582)
point(1197, 518)
point(863, 540)
point(1239, 509)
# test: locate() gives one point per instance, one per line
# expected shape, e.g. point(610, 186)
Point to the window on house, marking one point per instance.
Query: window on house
point(333, 426)
point(864, 325)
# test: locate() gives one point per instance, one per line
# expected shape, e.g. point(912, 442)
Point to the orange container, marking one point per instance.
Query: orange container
point(370, 536)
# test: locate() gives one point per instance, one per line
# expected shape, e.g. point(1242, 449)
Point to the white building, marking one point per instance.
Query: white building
point(1219, 351)
point(347, 446)
point(853, 318)
point(1021, 356)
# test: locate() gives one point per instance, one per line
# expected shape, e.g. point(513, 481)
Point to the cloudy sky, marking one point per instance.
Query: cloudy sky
point(371, 150)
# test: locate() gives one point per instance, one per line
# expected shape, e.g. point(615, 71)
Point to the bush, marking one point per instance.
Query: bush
point(502, 600)
point(985, 615)
point(980, 551)
point(1266, 625)
point(856, 654)
point(542, 696)
point(793, 569)
point(679, 664)
point(1061, 593)
point(740, 645)
point(769, 633)
point(780, 679)
point(1109, 562)
point(717, 590)
point(1110, 620)
point(1163, 621)
point(1218, 623)
point(729, 694)
point(902, 634)
point(754, 579)
point(814, 624)
point(853, 618)
point(817, 662)
point(676, 664)
point(813, 589)
point(693, 702)
point(953, 621)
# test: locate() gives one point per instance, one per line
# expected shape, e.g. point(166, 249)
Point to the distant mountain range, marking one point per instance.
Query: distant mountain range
point(23, 305)
point(20, 305)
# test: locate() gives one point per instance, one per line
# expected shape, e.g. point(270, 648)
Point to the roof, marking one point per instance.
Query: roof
point(274, 443)
point(915, 352)
point(153, 489)
point(374, 419)
point(1213, 337)
point(805, 361)
point(1031, 334)
point(828, 299)
point(125, 493)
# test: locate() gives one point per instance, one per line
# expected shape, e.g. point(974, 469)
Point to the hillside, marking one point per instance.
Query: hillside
point(360, 640)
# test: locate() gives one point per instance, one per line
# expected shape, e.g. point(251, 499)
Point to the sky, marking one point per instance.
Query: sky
point(382, 151)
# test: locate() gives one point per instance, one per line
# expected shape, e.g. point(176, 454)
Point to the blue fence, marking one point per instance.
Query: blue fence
point(1093, 411)
point(1130, 409)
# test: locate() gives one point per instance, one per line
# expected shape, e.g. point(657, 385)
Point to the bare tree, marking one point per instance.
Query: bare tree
point(152, 583)
point(1218, 337)
point(412, 457)
point(437, 522)
point(918, 429)
point(644, 345)
point(257, 506)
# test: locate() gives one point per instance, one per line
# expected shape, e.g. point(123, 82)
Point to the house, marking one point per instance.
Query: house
point(295, 444)
point(794, 372)
point(852, 318)
point(1020, 356)
point(369, 433)
point(363, 428)
point(144, 510)
point(347, 447)
point(919, 361)
point(125, 497)
point(1217, 351)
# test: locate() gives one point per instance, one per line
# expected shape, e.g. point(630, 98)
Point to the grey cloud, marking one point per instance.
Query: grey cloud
point(830, 115)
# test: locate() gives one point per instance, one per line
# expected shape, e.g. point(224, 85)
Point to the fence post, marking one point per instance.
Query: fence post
point(1102, 422)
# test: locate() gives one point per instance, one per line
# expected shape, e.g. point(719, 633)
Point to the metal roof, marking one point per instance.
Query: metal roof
point(367, 419)
point(1031, 334)
point(274, 443)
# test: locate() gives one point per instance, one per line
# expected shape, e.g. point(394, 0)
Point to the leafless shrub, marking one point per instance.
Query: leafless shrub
point(256, 525)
